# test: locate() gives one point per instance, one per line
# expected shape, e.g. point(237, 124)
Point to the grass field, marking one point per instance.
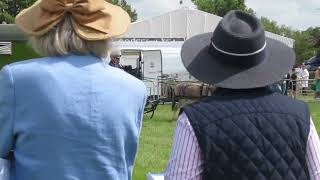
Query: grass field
point(315, 110)
point(20, 51)
point(157, 136)
point(155, 143)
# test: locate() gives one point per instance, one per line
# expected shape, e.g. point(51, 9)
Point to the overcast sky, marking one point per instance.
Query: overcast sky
point(299, 14)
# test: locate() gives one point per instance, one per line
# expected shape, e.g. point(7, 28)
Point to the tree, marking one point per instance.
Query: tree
point(10, 8)
point(123, 3)
point(4, 14)
point(221, 7)
point(315, 38)
point(302, 47)
point(307, 43)
point(269, 25)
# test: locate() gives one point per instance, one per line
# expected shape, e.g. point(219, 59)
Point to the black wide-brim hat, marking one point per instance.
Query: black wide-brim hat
point(237, 55)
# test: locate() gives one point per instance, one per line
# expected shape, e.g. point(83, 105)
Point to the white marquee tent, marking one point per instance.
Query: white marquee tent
point(183, 23)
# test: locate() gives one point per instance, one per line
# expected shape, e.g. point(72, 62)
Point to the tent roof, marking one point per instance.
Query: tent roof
point(183, 23)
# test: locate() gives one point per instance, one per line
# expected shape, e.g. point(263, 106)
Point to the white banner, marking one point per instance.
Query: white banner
point(5, 48)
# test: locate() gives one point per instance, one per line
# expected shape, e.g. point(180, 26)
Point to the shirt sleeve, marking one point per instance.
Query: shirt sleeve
point(305, 74)
point(186, 160)
point(313, 153)
point(6, 112)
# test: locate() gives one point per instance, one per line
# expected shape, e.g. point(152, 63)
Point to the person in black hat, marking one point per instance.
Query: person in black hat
point(245, 131)
point(293, 84)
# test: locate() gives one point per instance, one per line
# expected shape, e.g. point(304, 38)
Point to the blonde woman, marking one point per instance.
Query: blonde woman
point(69, 115)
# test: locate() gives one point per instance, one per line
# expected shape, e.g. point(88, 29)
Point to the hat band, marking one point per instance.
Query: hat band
point(237, 54)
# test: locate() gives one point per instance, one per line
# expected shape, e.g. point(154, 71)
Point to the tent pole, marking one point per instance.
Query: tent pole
point(187, 22)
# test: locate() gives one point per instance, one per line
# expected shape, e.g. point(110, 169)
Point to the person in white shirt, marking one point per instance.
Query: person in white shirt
point(304, 77)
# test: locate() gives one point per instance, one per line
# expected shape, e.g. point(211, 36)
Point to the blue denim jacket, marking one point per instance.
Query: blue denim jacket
point(70, 118)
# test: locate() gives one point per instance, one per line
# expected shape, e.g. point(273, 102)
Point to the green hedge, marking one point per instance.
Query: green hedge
point(312, 75)
point(20, 51)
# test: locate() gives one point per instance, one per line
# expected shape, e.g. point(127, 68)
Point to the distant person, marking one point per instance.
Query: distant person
point(293, 84)
point(115, 57)
point(285, 84)
point(244, 131)
point(68, 116)
point(303, 76)
point(317, 84)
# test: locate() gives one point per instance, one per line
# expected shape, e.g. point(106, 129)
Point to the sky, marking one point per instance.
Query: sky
point(299, 14)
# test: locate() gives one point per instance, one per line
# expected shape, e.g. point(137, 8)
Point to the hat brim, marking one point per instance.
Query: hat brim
point(30, 18)
point(205, 67)
point(119, 23)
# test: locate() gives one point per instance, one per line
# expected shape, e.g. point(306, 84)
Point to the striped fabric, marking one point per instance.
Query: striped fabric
point(186, 162)
point(313, 153)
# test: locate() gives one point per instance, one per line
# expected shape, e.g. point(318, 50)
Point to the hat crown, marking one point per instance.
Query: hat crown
point(239, 33)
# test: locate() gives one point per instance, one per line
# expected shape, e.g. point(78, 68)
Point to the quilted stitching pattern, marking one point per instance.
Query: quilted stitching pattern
point(258, 138)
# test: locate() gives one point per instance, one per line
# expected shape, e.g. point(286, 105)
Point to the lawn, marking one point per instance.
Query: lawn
point(20, 51)
point(157, 136)
point(155, 143)
point(315, 110)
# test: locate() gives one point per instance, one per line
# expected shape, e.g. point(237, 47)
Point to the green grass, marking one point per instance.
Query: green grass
point(155, 143)
point(315, 110)
point(20, 51)
point(157, 136)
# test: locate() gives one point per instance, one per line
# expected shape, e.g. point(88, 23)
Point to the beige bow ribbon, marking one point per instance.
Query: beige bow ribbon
point(91, 19)
point(88, 13)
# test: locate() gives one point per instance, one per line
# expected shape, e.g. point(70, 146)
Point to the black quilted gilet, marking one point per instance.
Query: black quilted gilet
point(251, 135)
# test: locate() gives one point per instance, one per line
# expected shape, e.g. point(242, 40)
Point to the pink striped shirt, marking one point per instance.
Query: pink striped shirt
point(186, 163)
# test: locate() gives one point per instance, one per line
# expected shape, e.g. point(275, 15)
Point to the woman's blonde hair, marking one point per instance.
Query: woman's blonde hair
point(63, 40)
